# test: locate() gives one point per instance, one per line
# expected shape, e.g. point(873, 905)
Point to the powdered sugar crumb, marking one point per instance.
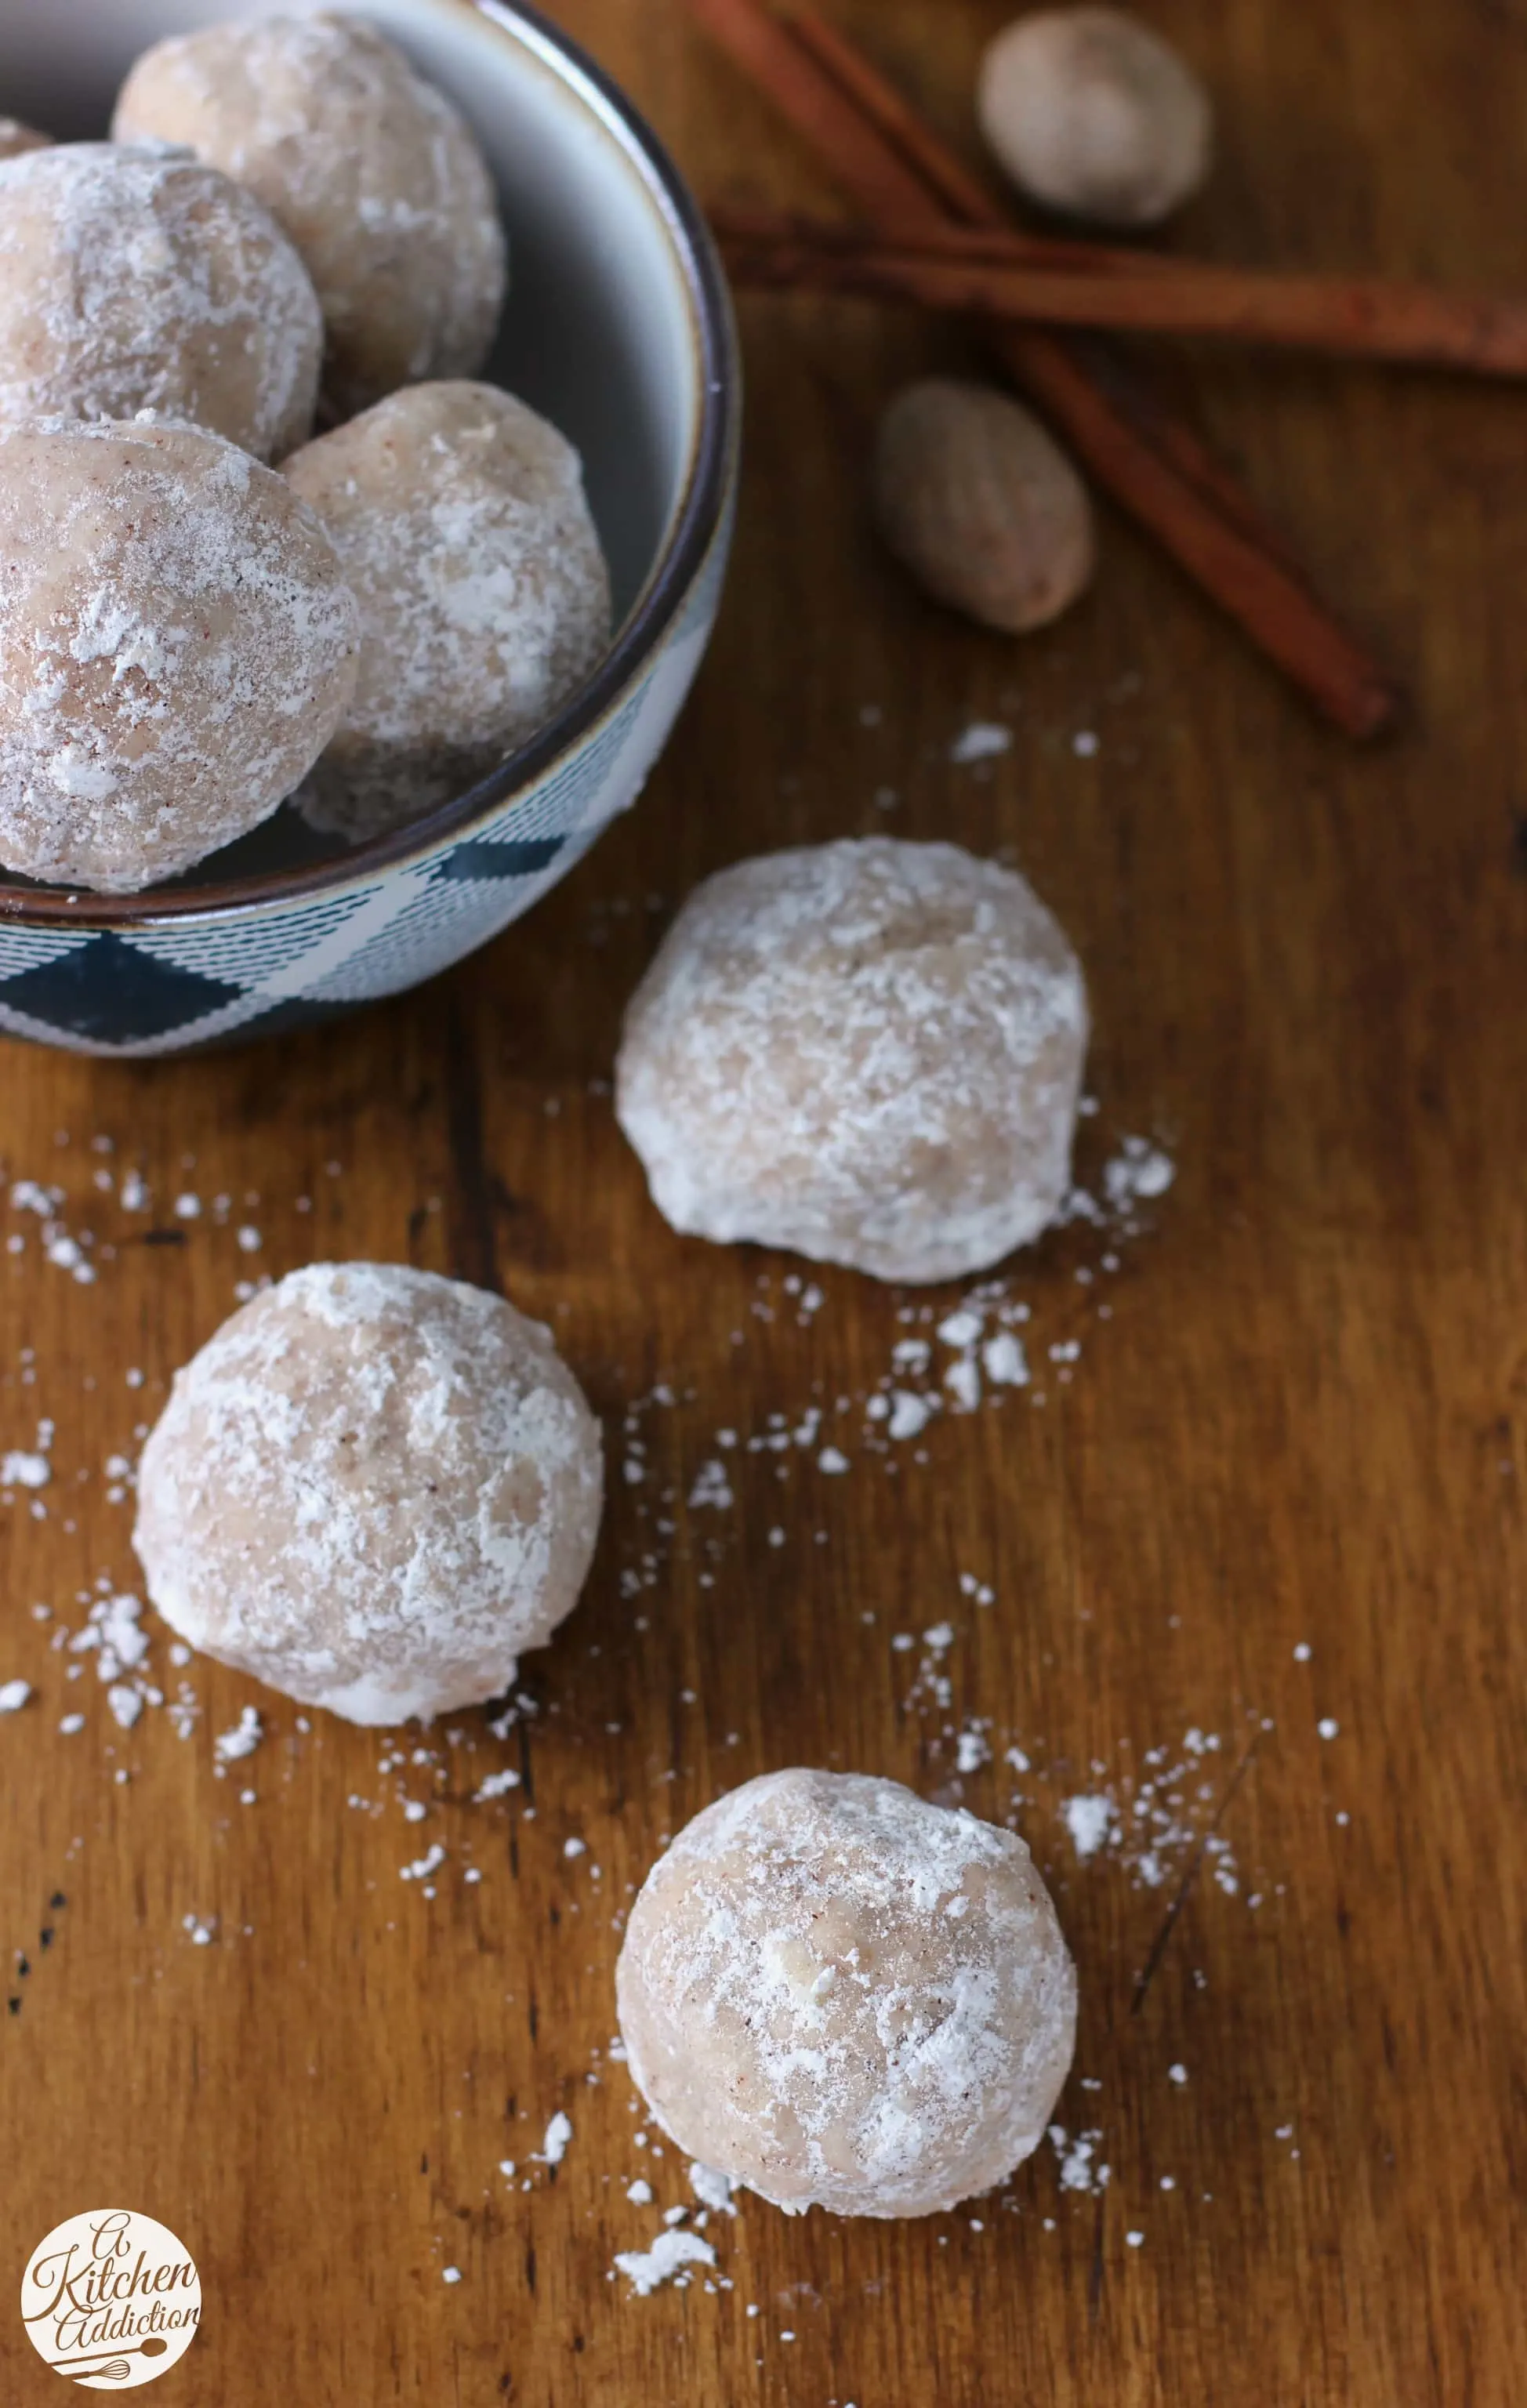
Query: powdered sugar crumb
point(645, 2270)
point(1081, 2167)
point(430, 1862)
point(1088, 1820)
point(498, 1785)
point(712, 2188)
point(983, 739)
point(553, 2148)
point(244, 1738)
point(23, 1470)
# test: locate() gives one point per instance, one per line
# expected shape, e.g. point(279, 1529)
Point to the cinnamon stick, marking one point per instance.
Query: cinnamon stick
point(1135, 446)
point(974, 270)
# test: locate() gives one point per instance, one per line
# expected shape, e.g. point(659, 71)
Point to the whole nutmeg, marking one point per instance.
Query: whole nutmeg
point(1092, 113)
point(973, 497)
point(15, 138)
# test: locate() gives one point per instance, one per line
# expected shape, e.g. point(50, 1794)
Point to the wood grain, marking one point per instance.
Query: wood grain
point(1302, 1424)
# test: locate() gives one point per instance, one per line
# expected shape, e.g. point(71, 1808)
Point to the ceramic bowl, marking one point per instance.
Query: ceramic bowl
point(618, 329)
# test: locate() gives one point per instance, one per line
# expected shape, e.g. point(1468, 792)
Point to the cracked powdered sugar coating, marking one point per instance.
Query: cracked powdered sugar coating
point(372, 1488)
point(868, 1051)
point(840, 1996)
point(460, 520)
point(177, 644)
point(140, 280)
point(373, 173)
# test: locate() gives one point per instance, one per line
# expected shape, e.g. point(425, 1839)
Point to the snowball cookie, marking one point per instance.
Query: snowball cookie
point(460, 520)
point(373, 173)
point(15, 138)
point(844, 1998)
point(1091, 113)
point(371, 1488)
point(974, 497)
point(868, 1053)
point(177, 643)
point(134, 279)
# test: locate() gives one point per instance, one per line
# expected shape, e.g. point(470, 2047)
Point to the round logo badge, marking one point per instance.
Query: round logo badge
point(110, 2298)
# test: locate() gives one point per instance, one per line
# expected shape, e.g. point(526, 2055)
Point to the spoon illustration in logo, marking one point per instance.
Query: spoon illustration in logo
point(109, 2370)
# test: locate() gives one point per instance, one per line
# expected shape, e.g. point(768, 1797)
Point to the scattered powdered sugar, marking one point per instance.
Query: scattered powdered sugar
point(125, 1703)
point(60, 1247)
point(421, 1867)
point(909, 1416)
point(1088, 1820)
point(948, 1362)
point(712, 1486)
point(553, 2148)
point(645, 2269)
point(244, 1738)
point(1004, 1362)
point(982, 740)
point(1081, 2169)
point(1139, 1172)
point(972, 1749)
point(1155, 1817)
point(22, 1469)
point(13, 1696)
point(497, 1784)
point(712, 2188)
point(113, 1633)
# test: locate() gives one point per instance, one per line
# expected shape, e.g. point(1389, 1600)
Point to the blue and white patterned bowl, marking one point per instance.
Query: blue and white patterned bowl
point(618, 328)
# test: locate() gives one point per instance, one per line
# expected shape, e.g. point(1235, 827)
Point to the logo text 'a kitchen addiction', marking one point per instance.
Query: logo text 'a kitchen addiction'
point(110, 2298)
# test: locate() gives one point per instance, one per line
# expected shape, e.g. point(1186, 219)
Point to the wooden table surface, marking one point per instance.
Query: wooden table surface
point(1278, 1488)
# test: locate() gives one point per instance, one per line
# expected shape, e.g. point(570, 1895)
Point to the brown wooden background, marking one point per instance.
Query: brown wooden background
point(1302, 1422)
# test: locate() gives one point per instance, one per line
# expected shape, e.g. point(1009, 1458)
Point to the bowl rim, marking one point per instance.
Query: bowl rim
point(696, 525)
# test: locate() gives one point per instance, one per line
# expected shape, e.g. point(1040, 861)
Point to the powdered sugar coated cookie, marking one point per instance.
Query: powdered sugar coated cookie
point(460, 518)
point(845, 1997)
point(374, 173)
point(373, 1488)
point(139, 280)
point(177, 644)
point(870, 1052)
